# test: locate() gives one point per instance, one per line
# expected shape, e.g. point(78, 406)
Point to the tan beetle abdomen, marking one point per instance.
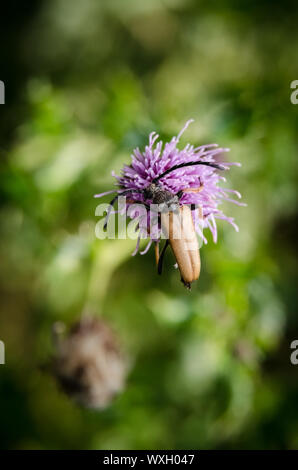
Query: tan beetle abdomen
point(179, 228)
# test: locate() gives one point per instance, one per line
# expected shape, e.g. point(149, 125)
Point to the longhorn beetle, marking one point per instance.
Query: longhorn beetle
point(178, 217)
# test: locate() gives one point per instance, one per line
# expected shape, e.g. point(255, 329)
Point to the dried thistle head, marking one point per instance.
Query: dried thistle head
point(88, 363)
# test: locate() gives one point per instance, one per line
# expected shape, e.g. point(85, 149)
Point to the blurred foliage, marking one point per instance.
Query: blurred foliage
point(85, 83)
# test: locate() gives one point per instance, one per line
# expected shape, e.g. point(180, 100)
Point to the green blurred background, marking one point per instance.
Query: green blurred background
point(86, 81)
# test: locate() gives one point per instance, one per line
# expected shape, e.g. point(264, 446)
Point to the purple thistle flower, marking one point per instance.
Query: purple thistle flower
point(156, 159)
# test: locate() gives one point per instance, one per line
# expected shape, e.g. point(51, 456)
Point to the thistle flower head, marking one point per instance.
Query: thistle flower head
point(157, 158)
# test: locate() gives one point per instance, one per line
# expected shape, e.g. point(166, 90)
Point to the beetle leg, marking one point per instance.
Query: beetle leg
point(112, 202)
point(156, 248)
point(192, 190)
point(195, 207)
point(160, 261)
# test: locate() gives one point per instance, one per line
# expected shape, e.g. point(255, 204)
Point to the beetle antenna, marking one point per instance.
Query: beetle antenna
point(182, 165)
point(112, 202)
